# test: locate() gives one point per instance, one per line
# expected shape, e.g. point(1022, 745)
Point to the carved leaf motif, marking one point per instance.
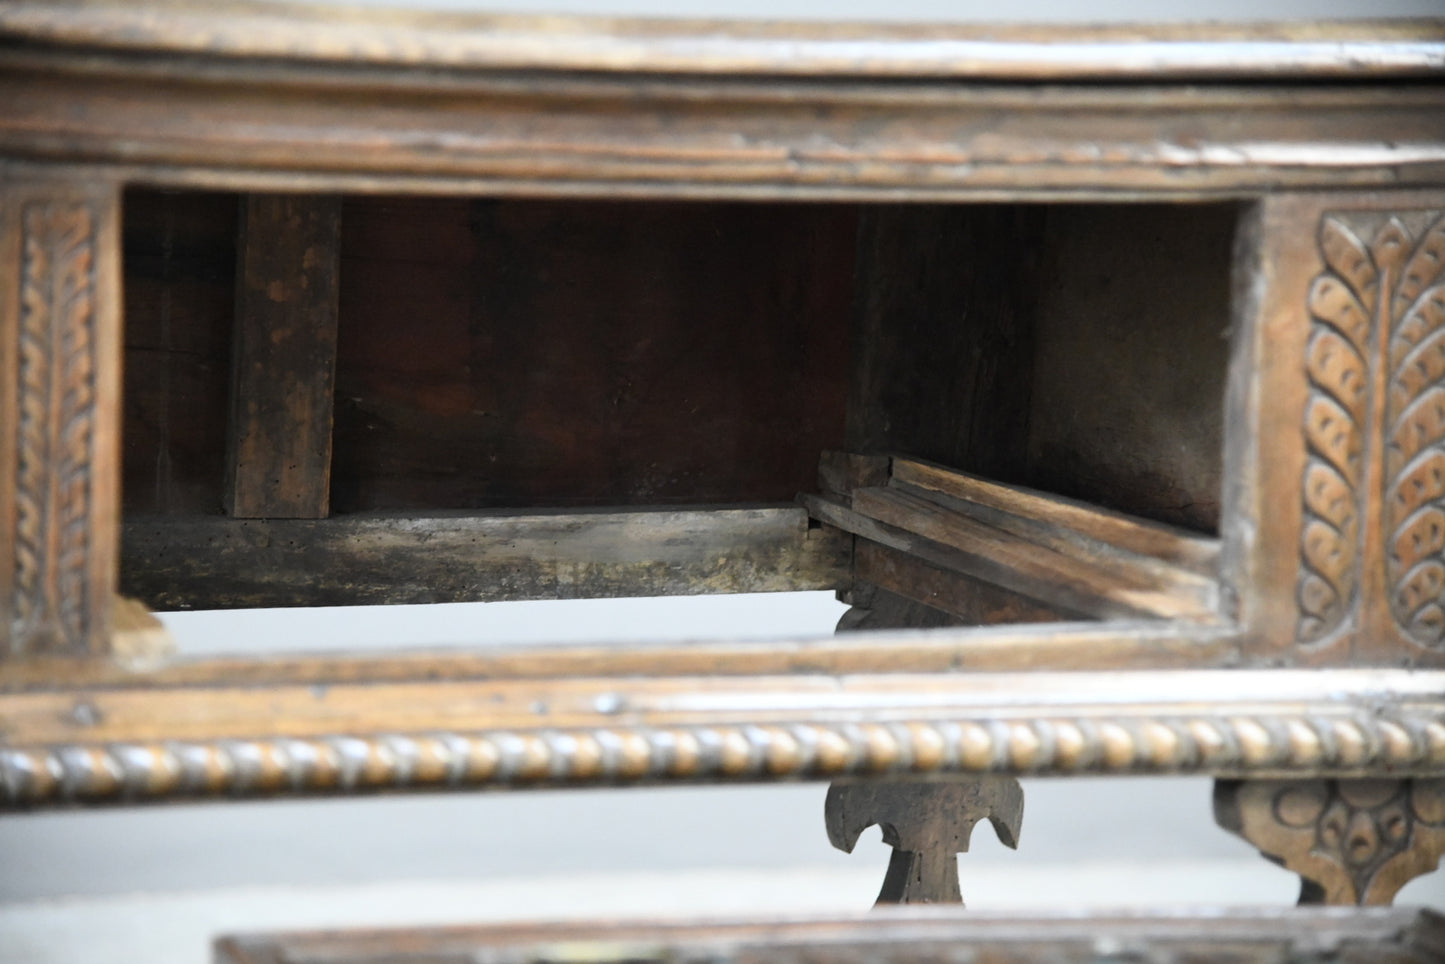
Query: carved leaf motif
point(56, 418)
point(1415, 436)
point(1424, 363)
point(1337, 365)
point(1422, 270)
point(1348, 258)
point(1331, 302)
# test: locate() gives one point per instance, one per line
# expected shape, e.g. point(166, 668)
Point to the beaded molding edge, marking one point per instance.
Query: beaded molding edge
point(1401, 742)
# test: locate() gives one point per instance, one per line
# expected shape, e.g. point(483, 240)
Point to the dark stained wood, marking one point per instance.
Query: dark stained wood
point(927, 823)
point(586, 354)
point(1131, 352)
point(943, 335)
point(180, 269)
point(214, 563)
point(969, 601)
point(59, 415)
point(283, 371)
point(897, 936)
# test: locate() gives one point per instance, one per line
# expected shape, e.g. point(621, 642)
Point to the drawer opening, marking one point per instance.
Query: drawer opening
point(524, 399)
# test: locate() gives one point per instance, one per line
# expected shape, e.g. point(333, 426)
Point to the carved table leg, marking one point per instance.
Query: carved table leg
point(927, 823)
point(59, 416)
point(1351, 841)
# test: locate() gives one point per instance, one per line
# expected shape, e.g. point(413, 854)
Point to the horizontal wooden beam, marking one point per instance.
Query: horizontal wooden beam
point(218, 563)
point(146, 743)
point(263, 126)
point(1406, 935)
point(970, 601)
point(475, 41)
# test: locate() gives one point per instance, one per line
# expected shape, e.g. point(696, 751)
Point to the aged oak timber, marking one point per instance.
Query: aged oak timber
point(278, 453)
point(1102, 369)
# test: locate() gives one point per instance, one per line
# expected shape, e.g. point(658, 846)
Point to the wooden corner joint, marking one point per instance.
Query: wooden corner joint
point(1351, 841)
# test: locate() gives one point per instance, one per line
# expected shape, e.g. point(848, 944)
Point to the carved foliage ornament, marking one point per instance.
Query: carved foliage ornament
point(1353, 841)
point(55, 425)
point(1375, 427)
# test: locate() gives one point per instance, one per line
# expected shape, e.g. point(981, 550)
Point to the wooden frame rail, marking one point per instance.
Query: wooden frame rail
point(1074, 558)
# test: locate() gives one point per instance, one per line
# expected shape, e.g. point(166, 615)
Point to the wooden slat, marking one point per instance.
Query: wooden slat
point(1262, 936)
point(968, 600)
point(217, 563)
point(284, 362)
point(1142, 644)
point(1038, 511)
point(1110, 585)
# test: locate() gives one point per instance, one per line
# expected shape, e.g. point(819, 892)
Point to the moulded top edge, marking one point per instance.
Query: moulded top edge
point(379, 36)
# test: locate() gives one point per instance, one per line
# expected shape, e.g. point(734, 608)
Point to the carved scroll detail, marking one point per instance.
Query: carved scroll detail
point(1352, 841)
point(56, 415)
point(1342, 306)
point(1415, 433)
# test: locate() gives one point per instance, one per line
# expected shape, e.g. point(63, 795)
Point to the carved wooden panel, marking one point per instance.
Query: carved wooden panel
point(60, 380)
point(1352, 841)
point(1375, 420)
point(1342, 384)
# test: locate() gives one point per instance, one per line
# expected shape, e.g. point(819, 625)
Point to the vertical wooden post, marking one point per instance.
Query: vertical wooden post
point(1335, 516)
point(284, 362)
point(59, 416)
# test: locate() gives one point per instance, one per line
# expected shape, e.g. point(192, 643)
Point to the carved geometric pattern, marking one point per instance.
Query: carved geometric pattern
point(1353, 841)
point(56, 415)
point(1375, 363)
point(1279, 743)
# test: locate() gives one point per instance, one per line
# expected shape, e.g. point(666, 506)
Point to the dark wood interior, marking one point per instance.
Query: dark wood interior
point(497, 355)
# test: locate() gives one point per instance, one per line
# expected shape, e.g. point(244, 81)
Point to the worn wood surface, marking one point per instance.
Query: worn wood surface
point(966, 600)
point(137, 743)
point(312, 32)
point(894, 935)
point(179, 262)
point(59, 415)
point(1351, 841)
point(519, 354)
point(259, 126)
point(1038, 555)
point(943, 334)
point(1127, 407)
point(1058, 519)
point(928, 823)
point(1336, 534)
point(1073, 646)
point(283, 362)
point(216, 563)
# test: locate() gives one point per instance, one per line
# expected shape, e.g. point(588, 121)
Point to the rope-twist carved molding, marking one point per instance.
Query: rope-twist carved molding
point(1241, 746)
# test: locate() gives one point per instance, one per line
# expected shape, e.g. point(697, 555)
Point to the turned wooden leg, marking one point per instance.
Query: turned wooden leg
point(1351, 841)
point(927, 823)
point(59, 416)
